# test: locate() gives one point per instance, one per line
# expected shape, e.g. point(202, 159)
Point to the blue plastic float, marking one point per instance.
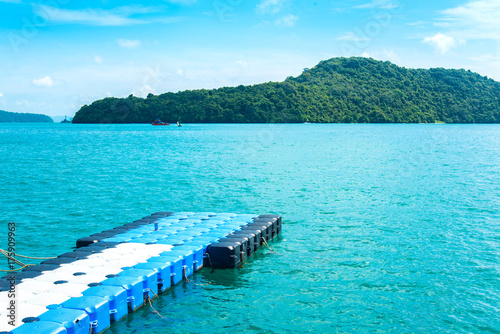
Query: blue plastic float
point(115, 272)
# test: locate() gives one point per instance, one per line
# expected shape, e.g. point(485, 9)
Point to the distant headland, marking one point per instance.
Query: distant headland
point(338, 90)
point(14, 117)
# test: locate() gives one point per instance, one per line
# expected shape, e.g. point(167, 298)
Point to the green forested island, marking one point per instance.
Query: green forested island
point(14, 117)
point(339, 90)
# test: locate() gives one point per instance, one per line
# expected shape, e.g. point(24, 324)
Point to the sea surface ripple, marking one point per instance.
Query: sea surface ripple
point(387, 228)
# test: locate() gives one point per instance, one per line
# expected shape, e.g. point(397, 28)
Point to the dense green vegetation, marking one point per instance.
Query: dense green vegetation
point(351, 90)
point(14, 117)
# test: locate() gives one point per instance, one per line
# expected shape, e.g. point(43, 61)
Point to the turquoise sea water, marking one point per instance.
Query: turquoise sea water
point(387, 228)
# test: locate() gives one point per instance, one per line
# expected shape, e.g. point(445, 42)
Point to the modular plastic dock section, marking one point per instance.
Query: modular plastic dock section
point(114, 272)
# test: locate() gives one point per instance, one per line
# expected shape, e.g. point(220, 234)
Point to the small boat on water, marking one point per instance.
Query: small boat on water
point(159, 122)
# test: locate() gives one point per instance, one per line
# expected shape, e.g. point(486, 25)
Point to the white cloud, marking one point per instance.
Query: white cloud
point(487, 57)
point(144, 91)
point(97, 17)
point(392, 56)
point(129, 44)
point(382, 4)
point(242, 63)
point(98, 59)
point(474, 20)
point(441, 42)
point(135, 9)
point(351, 36)
point(270, 6)
point(119, 16)
point(22, 103)
point(418, 24)
point(1, 94)
point(46, 81)
point(182, 2)
point(287, 21)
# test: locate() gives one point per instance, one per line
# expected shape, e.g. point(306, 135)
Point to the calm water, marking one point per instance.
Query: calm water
point(387, 228)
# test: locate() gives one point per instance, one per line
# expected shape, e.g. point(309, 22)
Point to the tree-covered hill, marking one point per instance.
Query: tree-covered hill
point(14, 117)
point(352, 90)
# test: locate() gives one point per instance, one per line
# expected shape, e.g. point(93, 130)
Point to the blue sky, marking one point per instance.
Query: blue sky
point(57, 55)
